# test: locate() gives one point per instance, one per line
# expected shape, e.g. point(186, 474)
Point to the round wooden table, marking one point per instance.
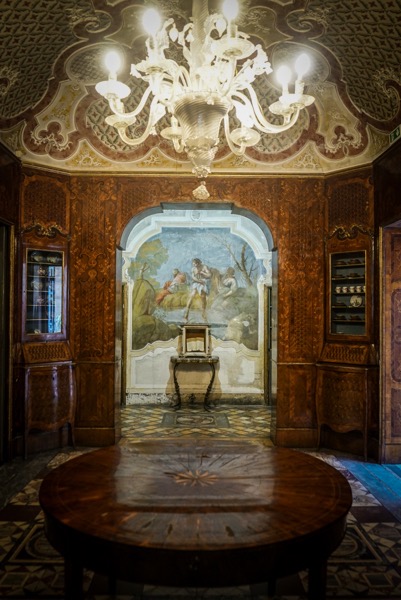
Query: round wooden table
point(195, 513)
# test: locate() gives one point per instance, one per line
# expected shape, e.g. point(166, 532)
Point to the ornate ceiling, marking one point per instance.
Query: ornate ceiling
point(51, 57)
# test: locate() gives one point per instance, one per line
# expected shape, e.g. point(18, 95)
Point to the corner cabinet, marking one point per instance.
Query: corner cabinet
point(347, 370)
point(45, 378)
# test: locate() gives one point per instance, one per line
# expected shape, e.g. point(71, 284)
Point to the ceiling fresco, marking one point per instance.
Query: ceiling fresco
point(51, 57)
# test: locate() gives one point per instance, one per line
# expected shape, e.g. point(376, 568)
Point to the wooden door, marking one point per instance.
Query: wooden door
point(390, 442)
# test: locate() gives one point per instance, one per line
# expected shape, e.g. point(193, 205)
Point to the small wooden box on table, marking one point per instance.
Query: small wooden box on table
point(196, 352)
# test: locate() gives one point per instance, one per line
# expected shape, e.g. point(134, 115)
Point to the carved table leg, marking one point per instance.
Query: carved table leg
point(177, 405)
point(206, 402)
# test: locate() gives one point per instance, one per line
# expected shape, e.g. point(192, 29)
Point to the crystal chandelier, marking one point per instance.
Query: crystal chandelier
point(222, 64)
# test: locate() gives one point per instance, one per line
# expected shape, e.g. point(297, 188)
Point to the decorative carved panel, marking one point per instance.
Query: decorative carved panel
point(44, 353)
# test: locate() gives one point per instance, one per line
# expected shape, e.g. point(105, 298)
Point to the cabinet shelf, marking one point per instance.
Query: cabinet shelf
point(44, 292)
point(347, 293)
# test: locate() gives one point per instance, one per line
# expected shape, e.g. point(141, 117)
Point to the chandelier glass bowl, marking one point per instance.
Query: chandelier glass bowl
point(212, 84)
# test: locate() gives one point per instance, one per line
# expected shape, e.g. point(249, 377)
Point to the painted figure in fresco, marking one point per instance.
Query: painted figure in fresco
point(201, 276)
point(171, 286)
point(229, 281)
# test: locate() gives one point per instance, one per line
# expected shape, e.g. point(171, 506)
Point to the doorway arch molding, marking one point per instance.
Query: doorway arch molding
point(243, 224)
point(197, 207)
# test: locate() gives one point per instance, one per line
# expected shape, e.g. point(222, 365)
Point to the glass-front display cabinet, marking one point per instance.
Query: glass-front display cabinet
point(347, 313)
point(347, 370)
point(45, 387)
point(44, 292)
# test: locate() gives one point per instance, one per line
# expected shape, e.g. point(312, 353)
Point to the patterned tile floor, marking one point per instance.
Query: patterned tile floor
point(222, 422)
point(366, 565)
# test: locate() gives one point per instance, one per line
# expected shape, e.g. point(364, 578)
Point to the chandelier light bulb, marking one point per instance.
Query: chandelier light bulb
point(230, 9)
point(112, 61)
point(283, 76)
point(302, 65)
point(151, 21)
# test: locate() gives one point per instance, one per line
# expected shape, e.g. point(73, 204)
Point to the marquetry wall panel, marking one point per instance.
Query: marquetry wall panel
point(45, 200)
point(93, 301)
point(349, 204)
point(301, 270)
point(296, 382)
point(93, 267)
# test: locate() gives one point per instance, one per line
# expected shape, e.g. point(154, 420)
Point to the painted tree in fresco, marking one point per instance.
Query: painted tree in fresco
point(245, 264)
point(151, 255)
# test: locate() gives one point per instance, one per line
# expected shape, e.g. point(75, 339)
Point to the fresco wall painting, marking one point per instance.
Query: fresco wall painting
point(194, 274)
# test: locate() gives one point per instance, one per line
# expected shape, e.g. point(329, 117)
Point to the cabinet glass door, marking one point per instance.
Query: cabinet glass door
point(348, 293)
point(44, 292)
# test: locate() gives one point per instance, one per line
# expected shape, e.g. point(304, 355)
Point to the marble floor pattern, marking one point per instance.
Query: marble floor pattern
point(366, 565)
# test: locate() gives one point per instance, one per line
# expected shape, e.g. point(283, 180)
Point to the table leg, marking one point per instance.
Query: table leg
point(73, 580)
point(177, 405)
point(317, 581)
point(206, 402)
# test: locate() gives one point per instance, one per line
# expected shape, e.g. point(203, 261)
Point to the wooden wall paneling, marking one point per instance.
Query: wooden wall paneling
point(350, 202)
point(93, 306)
point(101, 208)
point(296, 421)
point(45, 201)
point(301, 309)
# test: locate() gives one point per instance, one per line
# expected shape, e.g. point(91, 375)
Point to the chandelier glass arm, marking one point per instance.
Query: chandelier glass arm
point(237, 150)
point(261, 123)
point(119, 110)
point(150, 125)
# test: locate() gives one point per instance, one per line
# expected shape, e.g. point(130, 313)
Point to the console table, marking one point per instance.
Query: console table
point(211, 361)
point(195, 513)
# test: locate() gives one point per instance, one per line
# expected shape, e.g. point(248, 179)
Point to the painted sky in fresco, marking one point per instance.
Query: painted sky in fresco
point(210, 245)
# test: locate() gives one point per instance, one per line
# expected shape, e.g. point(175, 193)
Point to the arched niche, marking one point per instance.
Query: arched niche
point(238, 249)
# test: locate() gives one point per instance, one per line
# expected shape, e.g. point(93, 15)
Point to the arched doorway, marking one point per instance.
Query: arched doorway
point(160, 296)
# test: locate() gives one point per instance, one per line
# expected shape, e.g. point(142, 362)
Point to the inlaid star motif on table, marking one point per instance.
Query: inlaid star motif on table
point(194, 477)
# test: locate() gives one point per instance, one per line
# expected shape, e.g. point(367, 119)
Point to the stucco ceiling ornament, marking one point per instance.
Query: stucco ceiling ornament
point(201, 193)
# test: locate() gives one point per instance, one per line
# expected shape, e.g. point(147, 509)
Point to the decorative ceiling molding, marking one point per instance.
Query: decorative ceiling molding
point(51, 58)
